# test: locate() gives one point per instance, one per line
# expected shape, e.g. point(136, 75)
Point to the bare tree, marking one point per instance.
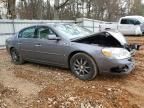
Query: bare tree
point(11, 8)
point(10, 5)
point(57, 6)
point(109, 10)
point(136, 7)
point(31, 9)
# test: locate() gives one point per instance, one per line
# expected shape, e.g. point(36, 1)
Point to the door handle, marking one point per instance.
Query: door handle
point(19, 43)
point(38, 45)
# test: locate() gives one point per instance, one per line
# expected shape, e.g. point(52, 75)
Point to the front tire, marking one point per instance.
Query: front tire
point(15, 57)
point(83, 66)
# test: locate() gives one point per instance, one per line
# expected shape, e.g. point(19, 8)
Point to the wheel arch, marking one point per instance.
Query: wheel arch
point(75, 52)
point(11, 49)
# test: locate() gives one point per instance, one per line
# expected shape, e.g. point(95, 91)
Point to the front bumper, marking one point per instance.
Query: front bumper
point(114, 66)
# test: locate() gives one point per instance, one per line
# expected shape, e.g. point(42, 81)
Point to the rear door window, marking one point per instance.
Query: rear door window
point(28, 33)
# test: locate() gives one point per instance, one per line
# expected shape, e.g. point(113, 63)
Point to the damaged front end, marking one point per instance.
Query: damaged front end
point(109, 39)
point(116, 52)
point(132, 48)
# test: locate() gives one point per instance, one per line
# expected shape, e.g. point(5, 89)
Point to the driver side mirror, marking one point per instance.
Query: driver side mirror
point(53, 37)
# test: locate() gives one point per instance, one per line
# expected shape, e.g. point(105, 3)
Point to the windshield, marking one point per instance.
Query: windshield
point(141, 19)
point(72, 31)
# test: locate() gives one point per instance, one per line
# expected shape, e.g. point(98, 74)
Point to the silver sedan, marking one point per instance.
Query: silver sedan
point(70, 46)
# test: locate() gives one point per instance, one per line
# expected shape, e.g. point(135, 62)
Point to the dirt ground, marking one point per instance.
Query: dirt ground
point(39, 86)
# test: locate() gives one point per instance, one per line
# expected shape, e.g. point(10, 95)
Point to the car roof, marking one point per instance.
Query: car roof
point(48, 25)
point(38, 25)
point(134, 16)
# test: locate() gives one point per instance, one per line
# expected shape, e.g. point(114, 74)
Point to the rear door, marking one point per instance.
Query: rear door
point(27, 40)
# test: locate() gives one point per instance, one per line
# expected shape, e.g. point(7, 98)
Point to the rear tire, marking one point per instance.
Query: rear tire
point(16, 57)
point(83, 66)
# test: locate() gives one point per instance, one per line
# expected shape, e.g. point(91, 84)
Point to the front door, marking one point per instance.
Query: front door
point(50, 51)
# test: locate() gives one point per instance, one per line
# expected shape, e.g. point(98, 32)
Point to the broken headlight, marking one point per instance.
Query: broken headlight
point(116, 53)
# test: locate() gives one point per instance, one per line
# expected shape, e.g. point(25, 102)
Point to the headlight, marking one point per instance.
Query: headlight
point(116, 53)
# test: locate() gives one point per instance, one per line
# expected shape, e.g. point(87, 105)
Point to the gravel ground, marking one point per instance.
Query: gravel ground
point(39, 86)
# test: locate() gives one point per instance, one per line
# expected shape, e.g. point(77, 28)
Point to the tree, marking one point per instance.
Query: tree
point(11, 8)
point(31, 9)
point(108, 10)
point(10, 5)
point(137, 7)
point(58, 6)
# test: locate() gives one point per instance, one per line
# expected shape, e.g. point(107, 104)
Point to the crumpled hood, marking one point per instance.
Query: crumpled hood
point(118, 36)
point(115, 34)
